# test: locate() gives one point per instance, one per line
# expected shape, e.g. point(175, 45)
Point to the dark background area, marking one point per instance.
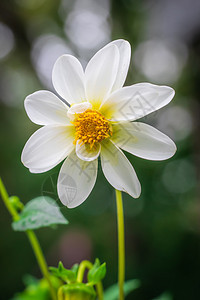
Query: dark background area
point(163, 225)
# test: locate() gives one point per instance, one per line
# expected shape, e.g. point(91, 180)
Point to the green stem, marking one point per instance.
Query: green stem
point(99, 288)
point(85, 264)
point(41, 260)
point(32, 238)
point(7, 203)
point(121, 244)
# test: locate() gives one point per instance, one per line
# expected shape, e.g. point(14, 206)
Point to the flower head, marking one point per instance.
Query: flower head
point(99, 121)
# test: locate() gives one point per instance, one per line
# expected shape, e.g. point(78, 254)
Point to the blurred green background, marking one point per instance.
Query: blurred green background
point(163, 225)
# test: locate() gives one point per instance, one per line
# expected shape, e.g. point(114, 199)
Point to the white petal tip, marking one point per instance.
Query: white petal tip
point(85, 153)
point(137, 193)
point(78, 108)
point(76, 180)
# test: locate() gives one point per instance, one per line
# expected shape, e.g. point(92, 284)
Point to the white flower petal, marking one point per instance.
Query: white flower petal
point(78, 108)
point(68, 79)
point(45, 108)
point(118, 170)
point(143, 140)
point(36, 171)
point(124, 62)
point(76, 180)
point(47, 147)
point(85, 153)
point(100, 74)
point(136, 101)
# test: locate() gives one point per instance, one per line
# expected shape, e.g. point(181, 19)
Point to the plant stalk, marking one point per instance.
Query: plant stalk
point(85, 264)
point(121, 244)
point(41, 260)
point(32, 238)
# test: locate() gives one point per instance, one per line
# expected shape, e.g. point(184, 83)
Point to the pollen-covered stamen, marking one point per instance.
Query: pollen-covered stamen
point(91, 127)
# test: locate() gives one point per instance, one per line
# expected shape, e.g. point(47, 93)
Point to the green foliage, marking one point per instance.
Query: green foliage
point(97, 272)
point(30, 280)
point(16, 203)
point(112, 293)
point(39, 212)
point(78, 291)
point(68, 276)
point(165, 296)
point(37, 289)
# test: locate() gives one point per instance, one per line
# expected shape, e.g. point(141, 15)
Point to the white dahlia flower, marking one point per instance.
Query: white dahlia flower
point(98, 122)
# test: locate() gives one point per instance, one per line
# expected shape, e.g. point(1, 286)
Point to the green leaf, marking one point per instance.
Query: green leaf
point(68, 276)
point(74, 268)
point(165, 296)
point(39, 212)
point(112, 293)
point(97, 272)
point(37, 289)
point(30, 280)
point(34, 290)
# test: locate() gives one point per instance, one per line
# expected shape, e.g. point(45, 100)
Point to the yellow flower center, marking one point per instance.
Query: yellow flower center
point(91, 128)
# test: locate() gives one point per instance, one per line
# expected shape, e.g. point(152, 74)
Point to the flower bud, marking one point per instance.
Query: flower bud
point(76, 291)
point(16, 203)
